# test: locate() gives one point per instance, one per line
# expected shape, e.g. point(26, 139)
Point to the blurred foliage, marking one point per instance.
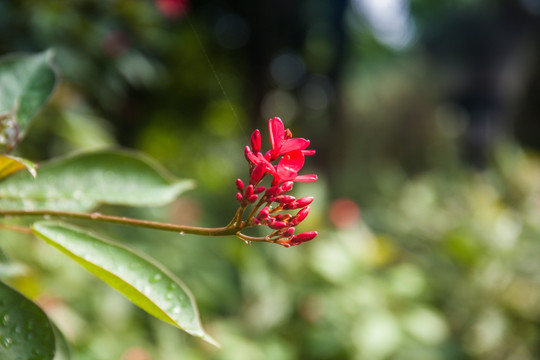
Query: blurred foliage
point(443, 263)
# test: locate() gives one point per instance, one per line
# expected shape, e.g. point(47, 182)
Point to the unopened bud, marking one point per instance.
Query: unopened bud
point(286, 186)
point(288, 232)
point(276, 225)
point(302, 214)
point(303, 237)
point(257, 174)
point(259, 189)
point(239, 197)
point(249, 191)
point(273, 190)
point(263, 213)
point(256, 141)
point(239, 184)
point(253, 198)
point(285, 199)
point(299, 203)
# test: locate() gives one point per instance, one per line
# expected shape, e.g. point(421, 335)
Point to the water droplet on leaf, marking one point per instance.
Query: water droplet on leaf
point(5, 319)
point(6, 341)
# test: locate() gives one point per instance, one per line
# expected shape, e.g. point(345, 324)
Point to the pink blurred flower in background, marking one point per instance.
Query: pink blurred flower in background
point(173, 9)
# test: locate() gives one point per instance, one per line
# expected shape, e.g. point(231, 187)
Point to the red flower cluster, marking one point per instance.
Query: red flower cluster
point(289, 154)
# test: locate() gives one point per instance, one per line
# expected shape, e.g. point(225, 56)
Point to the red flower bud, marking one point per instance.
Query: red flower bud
point(263, 213)
point(256, 141)
point(304, 201)
point(239, 184)
point(247, 152)
point(253, 198)
point(257, 173)
point(286, 186)
point(249, 191)
point(284, 199)
point(302, 237)
point(302, 214)
point(299, 203)
point(288, 232)
point(239, 197)
point(276, 225)
point(259, 189)
point(273, 190)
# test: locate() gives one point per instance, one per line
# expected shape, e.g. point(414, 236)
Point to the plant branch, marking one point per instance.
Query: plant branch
point(20, 229)
point(95, 216)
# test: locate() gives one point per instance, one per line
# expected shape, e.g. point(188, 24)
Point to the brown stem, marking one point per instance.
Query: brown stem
point(21, 229)
point(220, 231)
point(252, 238)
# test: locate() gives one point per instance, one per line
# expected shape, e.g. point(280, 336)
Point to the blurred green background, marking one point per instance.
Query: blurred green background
point(425, 118)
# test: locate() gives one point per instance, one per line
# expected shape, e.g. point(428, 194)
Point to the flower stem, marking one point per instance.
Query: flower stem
point(220, 231)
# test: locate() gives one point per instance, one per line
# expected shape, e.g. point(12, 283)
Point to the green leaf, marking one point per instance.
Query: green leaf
point(82, 182)
point(25, 331)
point(26, 83)
point(143, 281)
point(11, 164)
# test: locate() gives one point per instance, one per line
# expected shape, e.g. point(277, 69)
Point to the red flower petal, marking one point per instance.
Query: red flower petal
point(306, 178)
point(277, 133)
point(293, 144)
point(293, 161)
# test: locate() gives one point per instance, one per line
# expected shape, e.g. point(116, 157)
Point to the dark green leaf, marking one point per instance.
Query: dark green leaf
point(143, 281)
point(82, 182)
point(25, 331)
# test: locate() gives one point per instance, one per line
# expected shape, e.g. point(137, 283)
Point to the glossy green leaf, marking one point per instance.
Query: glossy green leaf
point(11, 164)
point(26, 83)
point(82, 182)
point(143, 281)
point(25, 330)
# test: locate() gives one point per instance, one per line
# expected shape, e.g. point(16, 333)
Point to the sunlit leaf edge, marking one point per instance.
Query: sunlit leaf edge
point(40, 228)
point(15, 164)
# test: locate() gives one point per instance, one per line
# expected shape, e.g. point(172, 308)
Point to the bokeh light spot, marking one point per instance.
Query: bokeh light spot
point(344, 213)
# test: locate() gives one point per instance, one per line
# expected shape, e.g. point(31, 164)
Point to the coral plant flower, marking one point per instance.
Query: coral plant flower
point(281, 140)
